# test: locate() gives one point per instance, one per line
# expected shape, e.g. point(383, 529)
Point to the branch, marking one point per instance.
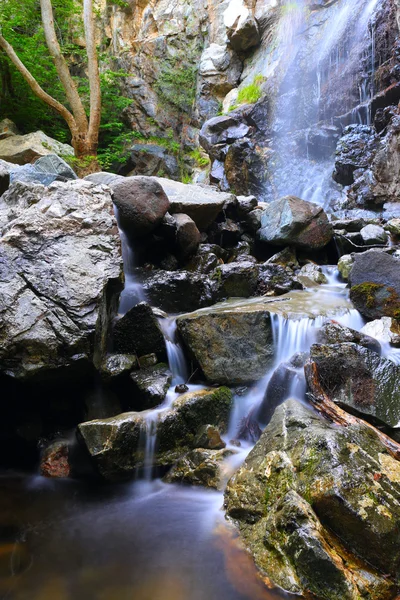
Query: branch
point(36, 88)
point(93, 74)
point(60, 63)
point(325, 406)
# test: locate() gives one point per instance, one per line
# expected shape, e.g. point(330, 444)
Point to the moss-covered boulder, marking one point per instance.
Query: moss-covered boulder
point(200, 467)
point(319, 507)
point(117, 445)
point(375, 284)
point(359, 379)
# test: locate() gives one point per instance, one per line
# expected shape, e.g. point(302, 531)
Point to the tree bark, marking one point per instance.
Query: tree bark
point(62, 68)
point(93, 74)
point(325, 406)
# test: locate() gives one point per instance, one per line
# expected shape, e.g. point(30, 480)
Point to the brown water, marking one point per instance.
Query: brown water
point(63, 540)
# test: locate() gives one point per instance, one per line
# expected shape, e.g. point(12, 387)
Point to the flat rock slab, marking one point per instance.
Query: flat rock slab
point(232, 341)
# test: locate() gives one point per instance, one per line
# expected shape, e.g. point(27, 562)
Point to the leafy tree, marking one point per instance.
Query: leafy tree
point(20, 36)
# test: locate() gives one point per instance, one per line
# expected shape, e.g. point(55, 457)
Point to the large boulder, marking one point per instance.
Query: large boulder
point(385, 330)
point(242, 27)
point(319, 507)
point(149, 160)
point(220, 67)
point(22, 149)
point(202, 203)
point(141, 203)
point(217, 132)
point(359, 379)
point(375, 284)
point(60, 268)
point(295, 222)
point(232, 342)
point(117, 445)
point(332, 332)
point(187, 236)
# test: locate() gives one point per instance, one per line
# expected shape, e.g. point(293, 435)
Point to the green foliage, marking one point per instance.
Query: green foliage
point(200, 158)
point(252, 92)
point(176, 83)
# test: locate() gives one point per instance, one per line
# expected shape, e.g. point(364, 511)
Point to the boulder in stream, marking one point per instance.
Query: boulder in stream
point(319, 507)
point(200, 467)
point(151, 385)
point(178, 291)
point(295, 222)
point(375, 284)
point(360, 380)
point(138, 332)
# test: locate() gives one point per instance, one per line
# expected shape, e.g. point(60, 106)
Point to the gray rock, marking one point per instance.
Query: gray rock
point(150, 160)
point(311, 275)
point(220, 131)
point(221, 68)
point(385, 330)
point(115, 365)
point(202, 203)
point(151, 385)
point(187, 235)
point(60, 269)
point(374, 234)
point(45, 170)
point(141, 203)
point(236, 280)
point(358, 378)
point(334, 333)
point(178, 291)
point(354, 151)
point(344, 266)
point(375, 284)
point(138, 332)
point(104, 178)
point(275, 280)
point(305, 480)
point(295, 222)
point(8, 129)
point(22, 149)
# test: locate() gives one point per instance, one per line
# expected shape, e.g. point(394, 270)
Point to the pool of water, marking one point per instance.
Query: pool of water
point(64, 540)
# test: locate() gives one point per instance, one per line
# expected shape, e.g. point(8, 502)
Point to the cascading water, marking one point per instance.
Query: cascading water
point(320, 90)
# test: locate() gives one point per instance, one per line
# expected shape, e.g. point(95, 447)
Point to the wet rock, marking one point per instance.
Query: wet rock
point(181, 388)
point(149, 160)
point(177, 292)
point(345, 265)
point(393, 226)
point(232, 341)
point(245, 166)
point(220, 131)
point(375, 284)
point(138, 332)
point(286, 258)
point(178, 426)
point(187, 235)
point(61, 270)
point(209, 437)
point(357, 378)
point(246, 204)
point(202, 203)
point(252, 221)
point(311, 275)
point(115, 365)
point(225, 234)
point(7, 129)
point(141, 203)
point(291, 221)
point(355, 150)
point(334, 333)
point(350, 225)
point(151, 385)
point(113, 444)
point(275, 280)
point(54, 461)
point(385, 329)
point(204, 261)
point(200, 467)
point(308, 502)
point(236, 280)
point(373, 234)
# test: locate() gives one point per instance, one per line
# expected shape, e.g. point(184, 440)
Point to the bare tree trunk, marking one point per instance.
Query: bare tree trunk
point(94, 77)
point(62, 68)
point(39, 91)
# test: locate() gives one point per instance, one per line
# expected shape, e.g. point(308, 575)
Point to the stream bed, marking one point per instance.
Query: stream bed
point(64, 540)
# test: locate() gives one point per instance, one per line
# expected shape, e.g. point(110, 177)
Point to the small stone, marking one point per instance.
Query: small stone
point(344, 266)
point(209, 437)
point(181, 388)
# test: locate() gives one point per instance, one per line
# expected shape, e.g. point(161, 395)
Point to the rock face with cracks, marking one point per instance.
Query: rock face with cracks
point(319, 507)
point(60, 269)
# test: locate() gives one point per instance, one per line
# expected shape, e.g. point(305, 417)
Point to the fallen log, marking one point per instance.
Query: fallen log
point(329, 409)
